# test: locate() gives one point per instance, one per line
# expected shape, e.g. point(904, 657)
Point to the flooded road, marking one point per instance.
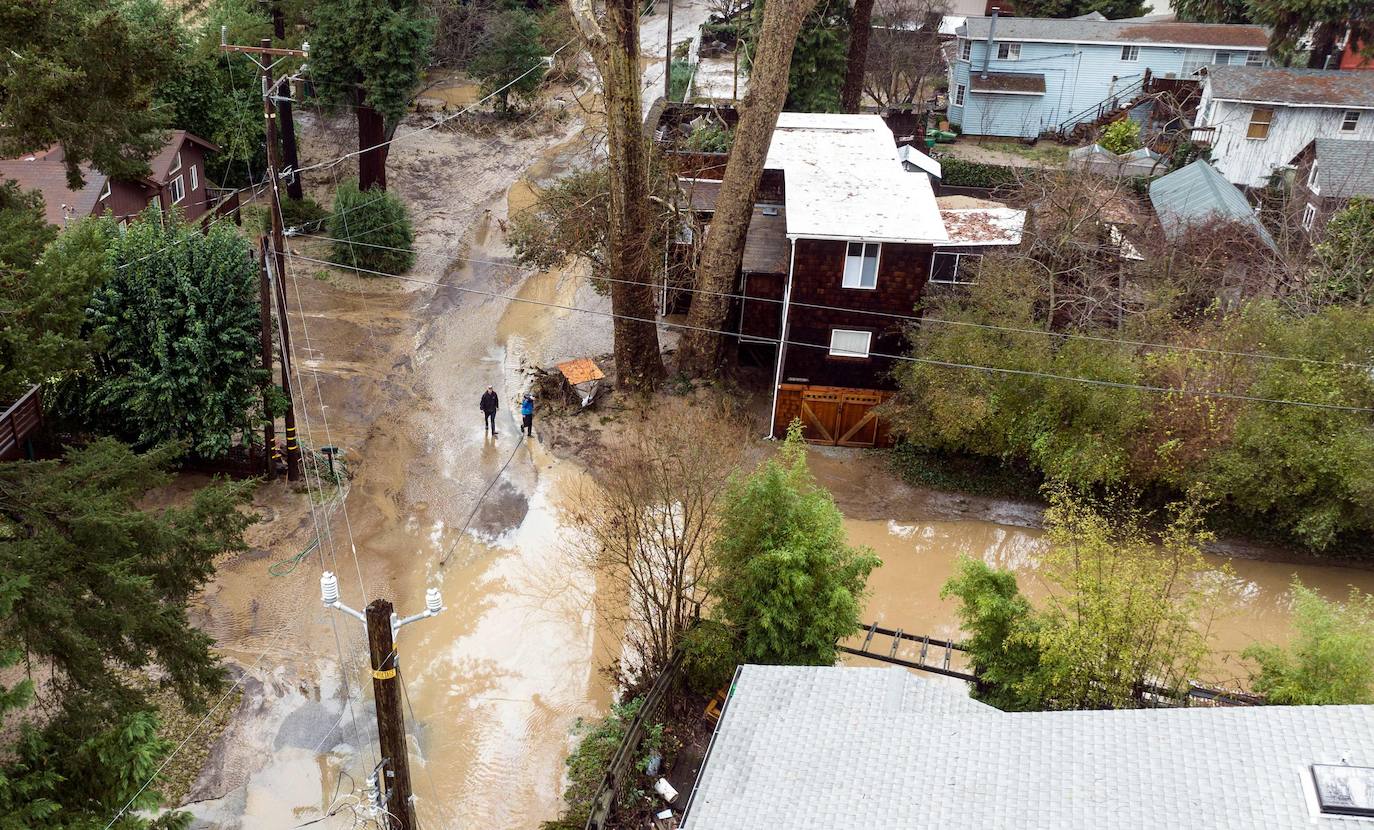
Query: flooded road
point(918, 557)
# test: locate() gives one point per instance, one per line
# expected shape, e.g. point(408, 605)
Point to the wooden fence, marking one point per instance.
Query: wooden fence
point(19, 424)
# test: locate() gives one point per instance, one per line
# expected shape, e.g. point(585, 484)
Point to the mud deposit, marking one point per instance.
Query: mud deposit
point(391, 372)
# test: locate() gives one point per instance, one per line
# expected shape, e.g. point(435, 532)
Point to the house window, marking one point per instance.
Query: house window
point(1309, 218)
point(1254, 59)
point(178, 190)
point(959, 90)
point(1130, 53)
point(953, 268)
point(195, 179)
point(105, 194)
point(1350, 121)
point(1009, 51)
point(861, 265)
point(1260, 119)
point(1313, 183)
point(965, 50)
point(176, 163)
point(1221, 58)
point(849, 343)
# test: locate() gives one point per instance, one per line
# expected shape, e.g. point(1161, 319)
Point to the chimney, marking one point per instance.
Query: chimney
point(992, 29)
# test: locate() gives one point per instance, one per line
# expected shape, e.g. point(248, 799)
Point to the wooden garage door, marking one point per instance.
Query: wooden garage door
point(840, 417)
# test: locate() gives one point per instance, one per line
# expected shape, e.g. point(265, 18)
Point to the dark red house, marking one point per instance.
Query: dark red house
point(839, 251)
point(176, 179)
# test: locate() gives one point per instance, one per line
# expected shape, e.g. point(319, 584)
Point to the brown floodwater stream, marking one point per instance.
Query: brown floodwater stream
point(918, 557)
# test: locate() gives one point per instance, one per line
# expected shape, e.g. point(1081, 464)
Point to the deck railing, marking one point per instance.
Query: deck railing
point(18, 424)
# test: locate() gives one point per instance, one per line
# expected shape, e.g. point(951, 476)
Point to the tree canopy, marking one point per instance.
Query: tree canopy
point(46, 281)
point(1331, 657)
point(510, 48)
point(1111, 9)
point(787, 582)
point(93, 592)
point(82, 74)
point(819, 58)
point(179, 329)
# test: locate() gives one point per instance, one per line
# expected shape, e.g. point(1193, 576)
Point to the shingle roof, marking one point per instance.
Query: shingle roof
point(161, 164)
point(860, 748)
point(1345, 167)
point(1301, 87)
point(844, 181)
point(1118, 31)
point(766, 249)
point(1024, 83)
point(50, 178)
point(1197, 194)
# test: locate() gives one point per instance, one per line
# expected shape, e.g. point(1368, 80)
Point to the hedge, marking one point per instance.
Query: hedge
point(956, 172)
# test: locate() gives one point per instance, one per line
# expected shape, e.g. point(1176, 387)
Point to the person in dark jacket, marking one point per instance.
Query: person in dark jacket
point(490, 403)
point(527, 415)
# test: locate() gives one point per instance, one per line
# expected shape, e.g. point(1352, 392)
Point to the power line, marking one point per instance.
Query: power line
point(890, 315)
point(904, 358)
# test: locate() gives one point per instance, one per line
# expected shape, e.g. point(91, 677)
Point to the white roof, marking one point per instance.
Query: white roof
point(872, 749)
point(843, 180)
point(911, 155)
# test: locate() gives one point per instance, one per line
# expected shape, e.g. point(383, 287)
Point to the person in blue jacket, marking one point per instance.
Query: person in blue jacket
point(527, 415)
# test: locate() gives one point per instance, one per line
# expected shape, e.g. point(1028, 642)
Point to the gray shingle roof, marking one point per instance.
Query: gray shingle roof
point(873, 749)
point(1118, 31)
point(1345, 167)
point(1197, 194)
point(1282, 85)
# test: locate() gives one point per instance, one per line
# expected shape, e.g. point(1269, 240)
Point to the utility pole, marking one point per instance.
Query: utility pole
point(396, 807)
point(269, 427)
point(668, 58)
point(271, 56)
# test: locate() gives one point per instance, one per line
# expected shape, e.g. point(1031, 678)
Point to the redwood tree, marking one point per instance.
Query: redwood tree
point(613, 41)
point(369, 55)
point(701, 349)
point(860, 27)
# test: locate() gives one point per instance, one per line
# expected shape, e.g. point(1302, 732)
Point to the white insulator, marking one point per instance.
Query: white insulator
point(434, 603)
point(329, 588)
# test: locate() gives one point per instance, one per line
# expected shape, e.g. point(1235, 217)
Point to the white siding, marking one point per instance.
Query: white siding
point(1248, 162)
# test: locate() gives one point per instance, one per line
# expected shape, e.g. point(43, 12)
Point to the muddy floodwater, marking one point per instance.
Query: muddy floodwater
point(918, 557)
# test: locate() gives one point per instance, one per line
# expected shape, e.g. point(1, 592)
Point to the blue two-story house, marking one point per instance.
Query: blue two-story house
point(1025, 76)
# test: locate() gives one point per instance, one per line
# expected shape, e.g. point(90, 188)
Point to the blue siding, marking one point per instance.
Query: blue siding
point(1078, 76)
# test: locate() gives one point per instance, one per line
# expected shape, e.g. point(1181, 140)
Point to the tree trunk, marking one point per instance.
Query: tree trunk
point(371, 135)
point(614, 43)
point(860, 27)
point(286, 122)
point(1323, 44)
point(701, 351)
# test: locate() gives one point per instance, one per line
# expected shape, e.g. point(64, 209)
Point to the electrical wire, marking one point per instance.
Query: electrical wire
point(892, 315)
point(518, 444)
point(903, 358)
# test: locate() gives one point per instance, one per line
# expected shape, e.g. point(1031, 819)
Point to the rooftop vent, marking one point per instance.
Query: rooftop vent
point(1344, 790)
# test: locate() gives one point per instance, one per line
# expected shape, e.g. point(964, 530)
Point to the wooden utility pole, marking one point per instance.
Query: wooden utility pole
point(269, 427)
point(396, 807)
point(391, 731)
point(270, 57)
point(290, 154)
point(668, 58)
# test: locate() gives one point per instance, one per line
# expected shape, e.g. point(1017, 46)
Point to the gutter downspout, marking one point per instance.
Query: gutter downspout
point(782, 342)
point(987, 53)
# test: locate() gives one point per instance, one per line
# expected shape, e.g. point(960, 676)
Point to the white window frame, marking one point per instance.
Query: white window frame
point(1008, 51)
point(966, 50)
point(1314, 179)
point(1268, 125)
point(1219, 54)
point(1130, 53)
point(959, 257)
point(176, 165)
point(843, 352)
point(105, 194)
point(1253, 58)
point(195, 179)
point(857, 282)
point(177, 184)
point(1350, 121)
point(1309, 216)
point(959, 92)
